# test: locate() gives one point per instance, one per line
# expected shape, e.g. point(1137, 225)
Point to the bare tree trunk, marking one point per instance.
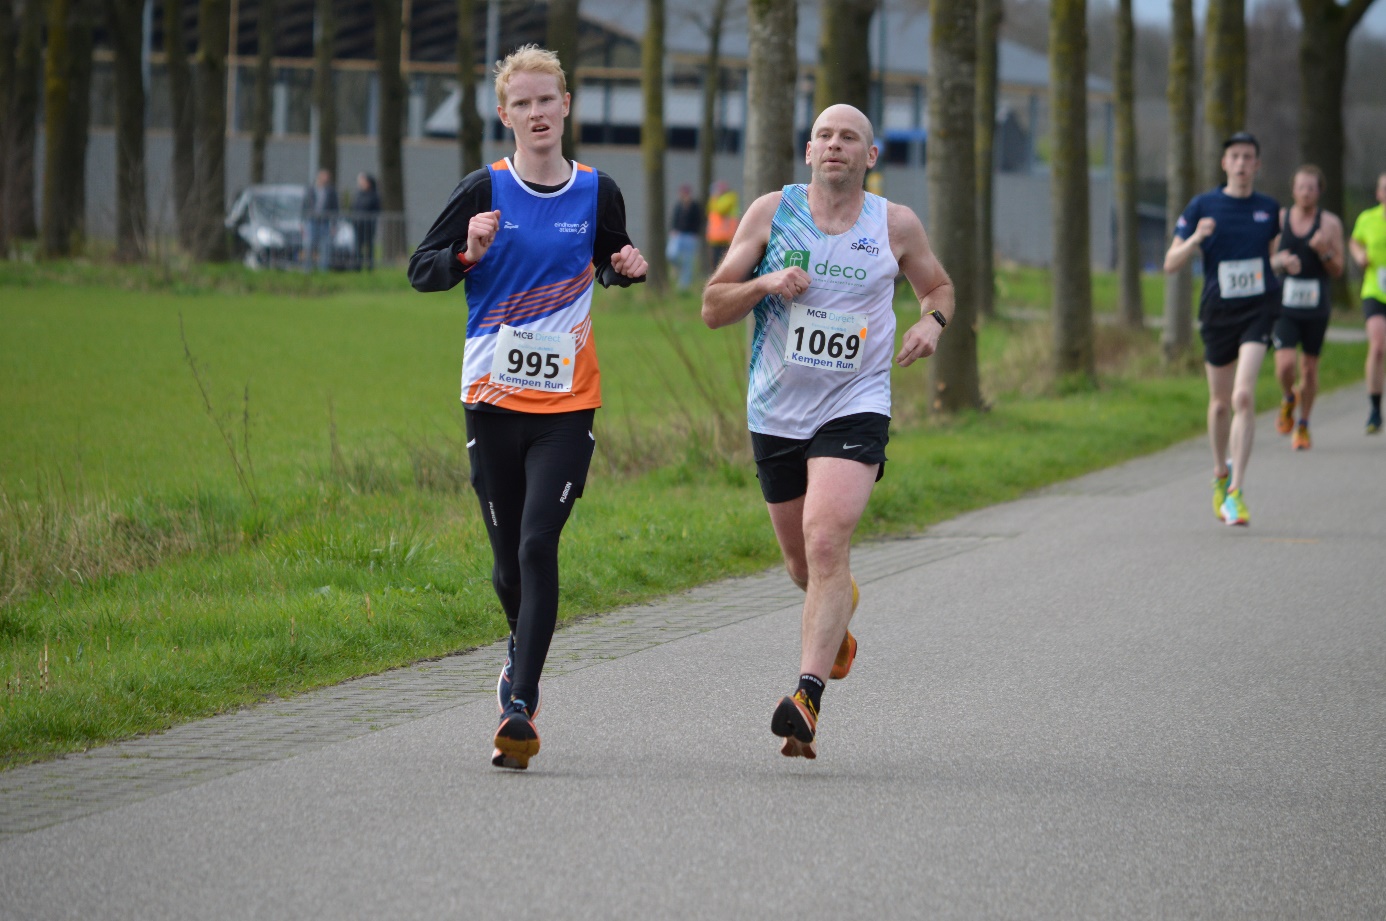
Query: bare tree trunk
point(989, 14)
point(125, 20)
point(952, 174)
point(562, 38)
point(1182, 174)
point(712, 83)
point(7, 77)
point(1073, 349)
point(182, 98)
point(469, 124)
point(770, 80)
point(325, 87)
point(1323, 57)
point(214, 31)
point(844, 54)
point(389, 23)
point(79, 115)
point(1127, 172)
point(1224, 80)
point(264, 87)
point(56, 229)
point(652, 145)
point(22, 219)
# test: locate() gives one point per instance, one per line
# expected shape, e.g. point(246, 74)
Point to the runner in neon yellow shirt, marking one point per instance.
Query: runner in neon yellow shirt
point(1368, 247)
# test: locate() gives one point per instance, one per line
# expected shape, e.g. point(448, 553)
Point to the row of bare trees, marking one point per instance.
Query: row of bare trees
point(198, 97)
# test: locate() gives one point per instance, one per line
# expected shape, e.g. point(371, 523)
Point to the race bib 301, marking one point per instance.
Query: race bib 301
point(1242, 278)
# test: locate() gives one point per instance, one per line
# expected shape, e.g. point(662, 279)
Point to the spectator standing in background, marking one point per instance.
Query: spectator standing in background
point(685, 232)
point(322, 214)
point(365, 211)
point(723, 213)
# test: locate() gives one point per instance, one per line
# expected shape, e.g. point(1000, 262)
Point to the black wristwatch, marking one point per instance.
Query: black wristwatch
point(942, 321)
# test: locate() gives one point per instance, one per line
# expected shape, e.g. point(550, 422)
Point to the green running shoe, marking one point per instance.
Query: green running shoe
point(1220, 485)
point(1234, 509)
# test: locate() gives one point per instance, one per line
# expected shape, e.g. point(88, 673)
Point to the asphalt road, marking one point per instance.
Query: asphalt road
point(1095, 702)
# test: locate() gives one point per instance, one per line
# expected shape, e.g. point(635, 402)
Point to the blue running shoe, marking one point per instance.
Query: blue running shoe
point(503, 690)
point(1374, 422)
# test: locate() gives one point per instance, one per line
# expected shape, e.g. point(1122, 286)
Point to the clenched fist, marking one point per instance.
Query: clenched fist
point(481, 233)
point(786, 283)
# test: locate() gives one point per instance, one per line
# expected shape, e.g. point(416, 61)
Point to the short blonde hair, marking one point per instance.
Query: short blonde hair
point(530, 59)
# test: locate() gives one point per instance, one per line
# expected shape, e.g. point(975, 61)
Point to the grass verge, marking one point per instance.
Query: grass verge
point(175, 594)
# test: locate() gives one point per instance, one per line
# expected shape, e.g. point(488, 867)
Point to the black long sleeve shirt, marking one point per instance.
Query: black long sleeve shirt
point(434, 265)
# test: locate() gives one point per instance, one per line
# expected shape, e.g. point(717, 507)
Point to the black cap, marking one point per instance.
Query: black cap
point(1243, 137)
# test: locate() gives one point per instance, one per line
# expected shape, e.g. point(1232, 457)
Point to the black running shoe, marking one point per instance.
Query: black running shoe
point(516, 738)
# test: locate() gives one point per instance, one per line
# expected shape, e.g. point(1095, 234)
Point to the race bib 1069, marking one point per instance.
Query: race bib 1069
point(829, 340)
point(534, 359)
point(1301, 293)
point(1242, 278)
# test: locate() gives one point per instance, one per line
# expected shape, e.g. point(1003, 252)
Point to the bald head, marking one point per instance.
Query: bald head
point(844, 115)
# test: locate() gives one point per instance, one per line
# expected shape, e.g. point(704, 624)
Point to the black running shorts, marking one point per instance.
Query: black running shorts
point(1293, 332)
point(1371, 307)
point(1224, 335)
point(782, 463)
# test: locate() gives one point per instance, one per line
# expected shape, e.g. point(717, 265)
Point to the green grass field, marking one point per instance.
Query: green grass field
point(143, 582)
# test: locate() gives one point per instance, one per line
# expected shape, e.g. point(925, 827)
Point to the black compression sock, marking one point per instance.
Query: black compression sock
point(813, 687)
point(1376, 402)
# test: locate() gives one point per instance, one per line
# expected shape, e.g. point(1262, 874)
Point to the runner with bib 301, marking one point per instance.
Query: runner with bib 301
point(1234, 227)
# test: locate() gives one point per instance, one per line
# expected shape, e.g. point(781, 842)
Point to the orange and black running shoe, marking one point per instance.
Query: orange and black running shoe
point(796, 721)
point(1301, 440)
point(1286, 420)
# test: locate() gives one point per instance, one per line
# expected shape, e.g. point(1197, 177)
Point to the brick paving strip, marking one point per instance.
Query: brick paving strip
point(41, 795)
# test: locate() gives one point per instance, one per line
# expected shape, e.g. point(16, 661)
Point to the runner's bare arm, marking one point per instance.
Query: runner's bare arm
point(926, 276)
point(1328, 243)
point(1180, 251)
point(731, 293)
point(1359, 252)
point(1279, 262)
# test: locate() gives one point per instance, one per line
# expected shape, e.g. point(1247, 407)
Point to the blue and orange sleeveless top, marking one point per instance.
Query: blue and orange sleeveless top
point(537, 276)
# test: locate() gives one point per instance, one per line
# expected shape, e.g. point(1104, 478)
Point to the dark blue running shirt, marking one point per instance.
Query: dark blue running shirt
point(1245, 229)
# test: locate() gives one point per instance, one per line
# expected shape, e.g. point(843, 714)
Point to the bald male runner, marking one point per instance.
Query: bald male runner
point(816, 265)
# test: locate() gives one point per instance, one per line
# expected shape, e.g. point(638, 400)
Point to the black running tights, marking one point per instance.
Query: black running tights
point(528, 469)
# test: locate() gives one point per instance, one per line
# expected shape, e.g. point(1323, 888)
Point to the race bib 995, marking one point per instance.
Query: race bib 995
point(534, 359)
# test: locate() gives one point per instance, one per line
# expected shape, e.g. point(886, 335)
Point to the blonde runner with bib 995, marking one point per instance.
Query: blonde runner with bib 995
point(816, 264)
point(528, 237)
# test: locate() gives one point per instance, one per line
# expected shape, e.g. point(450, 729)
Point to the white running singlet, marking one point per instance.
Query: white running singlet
point(827, 354)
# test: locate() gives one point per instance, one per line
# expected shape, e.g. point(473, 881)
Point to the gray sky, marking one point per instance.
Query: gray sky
point(1158, 11)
